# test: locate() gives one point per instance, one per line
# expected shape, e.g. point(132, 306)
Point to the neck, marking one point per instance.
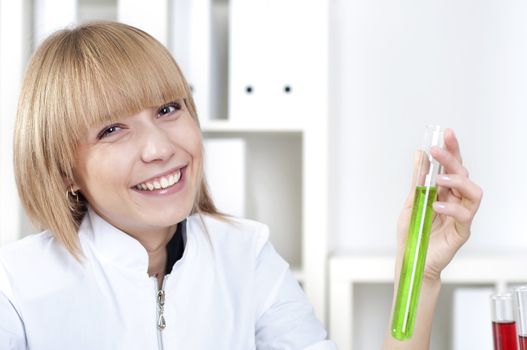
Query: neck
point(157, 260)
point(154, 240)
point(155, 245)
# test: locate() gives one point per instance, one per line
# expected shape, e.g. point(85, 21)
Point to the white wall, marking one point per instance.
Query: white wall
point(398, 66)
point(14, 49)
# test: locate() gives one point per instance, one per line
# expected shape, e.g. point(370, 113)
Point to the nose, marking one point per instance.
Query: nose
point(156, 143)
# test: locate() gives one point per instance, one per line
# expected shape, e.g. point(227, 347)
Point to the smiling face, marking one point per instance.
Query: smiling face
point(104, 107)
point(141, 172)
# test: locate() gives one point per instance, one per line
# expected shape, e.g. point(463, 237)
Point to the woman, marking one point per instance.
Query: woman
point(108, 159)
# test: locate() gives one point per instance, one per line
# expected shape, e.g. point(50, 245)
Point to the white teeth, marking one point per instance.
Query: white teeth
point(177, 176)
point(162, 183)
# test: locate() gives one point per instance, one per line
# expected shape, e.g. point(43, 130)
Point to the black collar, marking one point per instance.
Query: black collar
point(176, 246)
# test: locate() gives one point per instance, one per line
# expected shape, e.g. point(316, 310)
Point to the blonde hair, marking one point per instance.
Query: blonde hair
point(76, 79)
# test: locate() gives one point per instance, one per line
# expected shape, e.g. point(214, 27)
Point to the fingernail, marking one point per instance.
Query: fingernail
point(437, 149)
point(434, 151)
point(438, 205)
point(444, 177)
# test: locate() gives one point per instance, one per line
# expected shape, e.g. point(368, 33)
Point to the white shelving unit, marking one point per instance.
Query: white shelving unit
point(349, 273)
point(278, 104)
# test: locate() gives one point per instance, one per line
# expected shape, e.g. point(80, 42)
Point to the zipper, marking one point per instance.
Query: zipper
point(160, 311)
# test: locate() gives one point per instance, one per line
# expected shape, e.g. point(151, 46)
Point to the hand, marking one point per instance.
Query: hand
point(457, 202)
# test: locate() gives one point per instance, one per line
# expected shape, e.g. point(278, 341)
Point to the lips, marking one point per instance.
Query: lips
point(161, 181)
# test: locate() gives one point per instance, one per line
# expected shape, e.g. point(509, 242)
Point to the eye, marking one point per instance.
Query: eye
point(169, 109)
point(108, 131)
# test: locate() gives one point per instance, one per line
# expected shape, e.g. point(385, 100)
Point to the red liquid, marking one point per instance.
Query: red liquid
point(505, 337)
point(523, 342)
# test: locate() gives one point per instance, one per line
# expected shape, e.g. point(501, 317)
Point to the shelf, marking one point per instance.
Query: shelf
point(220, 126)
point(463, 269)
point(263, 178)
point(348, 274)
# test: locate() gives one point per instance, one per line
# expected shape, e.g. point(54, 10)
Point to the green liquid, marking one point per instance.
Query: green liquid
point(413, 263)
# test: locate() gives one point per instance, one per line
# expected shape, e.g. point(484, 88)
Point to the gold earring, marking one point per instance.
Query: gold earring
point(74, 194)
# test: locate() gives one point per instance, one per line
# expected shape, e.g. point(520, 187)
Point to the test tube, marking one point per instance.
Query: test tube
point(503, 322)
point(521, 303)
point(412, 269)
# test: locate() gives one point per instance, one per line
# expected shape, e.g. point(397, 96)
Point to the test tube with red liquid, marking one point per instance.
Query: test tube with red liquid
point(503, 322)
point(521, 303)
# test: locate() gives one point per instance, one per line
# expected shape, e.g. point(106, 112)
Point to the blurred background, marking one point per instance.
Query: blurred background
point(311, 111)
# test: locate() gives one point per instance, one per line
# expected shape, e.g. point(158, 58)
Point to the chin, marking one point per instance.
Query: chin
point(166, 218)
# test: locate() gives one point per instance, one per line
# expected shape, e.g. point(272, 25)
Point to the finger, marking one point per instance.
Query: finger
point(452, 144)
point(471, 193)
point(462, 215)
point(450, 163)
point(447, 194)
point(417, 160)
point(444, 193)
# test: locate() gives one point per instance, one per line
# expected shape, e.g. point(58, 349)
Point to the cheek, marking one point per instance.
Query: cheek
point(197, 141)
point(196, 151)
point(190, 141)
point(188, 136)
point(103, 169)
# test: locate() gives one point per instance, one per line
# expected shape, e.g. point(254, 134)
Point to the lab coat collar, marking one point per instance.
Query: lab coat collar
point(114, 245)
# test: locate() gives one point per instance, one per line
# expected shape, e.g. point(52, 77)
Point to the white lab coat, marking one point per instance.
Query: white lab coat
point(230, 290)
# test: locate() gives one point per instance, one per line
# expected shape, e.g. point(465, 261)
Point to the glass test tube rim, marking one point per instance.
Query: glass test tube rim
point(433, 129)
point(503, 297)
point(433, 137)
point(522, 318)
